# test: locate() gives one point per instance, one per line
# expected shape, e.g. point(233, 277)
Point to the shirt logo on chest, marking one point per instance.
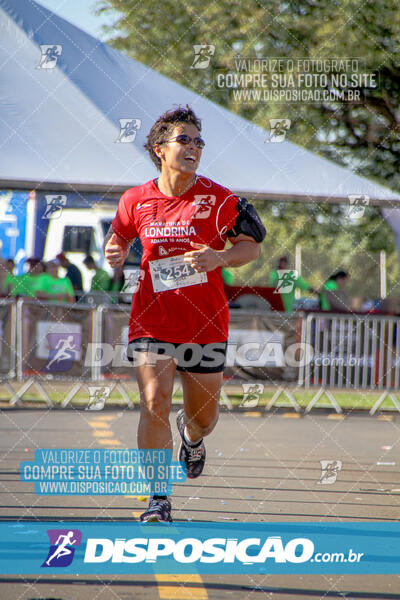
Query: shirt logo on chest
point(203, 204)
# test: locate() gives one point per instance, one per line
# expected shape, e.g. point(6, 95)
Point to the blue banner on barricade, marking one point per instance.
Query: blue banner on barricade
point(205, 548)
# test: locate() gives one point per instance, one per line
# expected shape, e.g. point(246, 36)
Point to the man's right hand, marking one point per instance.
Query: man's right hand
point(116, 250)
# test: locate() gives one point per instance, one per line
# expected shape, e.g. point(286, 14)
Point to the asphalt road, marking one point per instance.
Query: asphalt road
point(259, 468)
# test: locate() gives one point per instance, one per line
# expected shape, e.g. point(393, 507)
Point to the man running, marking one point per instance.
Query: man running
point(179, 318)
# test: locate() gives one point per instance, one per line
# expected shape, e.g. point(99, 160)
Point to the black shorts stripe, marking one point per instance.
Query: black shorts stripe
point(189, 356)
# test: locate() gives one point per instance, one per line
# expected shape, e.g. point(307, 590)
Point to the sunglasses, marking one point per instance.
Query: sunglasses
point(186, 139)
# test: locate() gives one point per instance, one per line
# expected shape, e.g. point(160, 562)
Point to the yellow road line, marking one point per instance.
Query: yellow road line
point(105, 442)
point(291, 415)
point(103, 433)
point(335, 417)
point(253, 413)
point(105, 417)
point(180, 591)
point(99, 424)
point(140, 498)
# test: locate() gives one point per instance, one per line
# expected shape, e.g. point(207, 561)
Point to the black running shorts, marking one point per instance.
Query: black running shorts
point(189, 356)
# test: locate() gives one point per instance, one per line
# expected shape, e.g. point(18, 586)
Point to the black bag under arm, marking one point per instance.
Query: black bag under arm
point(248, 222)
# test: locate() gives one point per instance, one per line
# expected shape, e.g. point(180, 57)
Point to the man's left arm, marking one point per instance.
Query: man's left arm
point(244, 249)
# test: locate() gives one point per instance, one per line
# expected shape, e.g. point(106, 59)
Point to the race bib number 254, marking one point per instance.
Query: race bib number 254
point(172, 273)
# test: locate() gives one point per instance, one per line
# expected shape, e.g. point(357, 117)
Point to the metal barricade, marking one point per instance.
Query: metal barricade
point(86, 345)
point(353, 352)
point(8, 337)
point(109, 350)
point(265, 345)
point(51, 342)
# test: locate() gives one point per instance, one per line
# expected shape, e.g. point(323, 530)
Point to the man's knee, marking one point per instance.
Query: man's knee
point(156, 402)
point(204, 424)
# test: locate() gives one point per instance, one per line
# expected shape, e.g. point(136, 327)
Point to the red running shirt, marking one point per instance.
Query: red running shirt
point(163, 306)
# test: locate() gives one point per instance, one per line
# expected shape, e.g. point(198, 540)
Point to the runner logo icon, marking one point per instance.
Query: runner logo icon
point(279, 128)
point(55, 204)
point(204, 205)
point(97, 397)
point(251, 394)
point(329, 471)
point(61, 551)
point(64, 350)
point(132, 279)
point(128, 130)
point(50, 55)
point(286, 280)
point(358, 204)
point(202, 55)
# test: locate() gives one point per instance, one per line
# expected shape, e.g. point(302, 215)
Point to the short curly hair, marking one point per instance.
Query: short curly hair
point(164, 126)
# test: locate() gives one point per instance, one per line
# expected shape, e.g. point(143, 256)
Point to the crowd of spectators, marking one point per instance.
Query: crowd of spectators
point(331, 297)
point(42, 280)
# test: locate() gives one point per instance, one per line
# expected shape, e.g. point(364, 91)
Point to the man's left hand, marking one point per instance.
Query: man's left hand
point(204, 258)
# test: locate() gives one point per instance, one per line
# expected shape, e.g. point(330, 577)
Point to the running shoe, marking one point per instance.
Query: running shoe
point(193, 456)
point(159, 511)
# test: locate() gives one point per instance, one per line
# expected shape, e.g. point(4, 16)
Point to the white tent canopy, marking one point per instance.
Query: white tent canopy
point(59, 126)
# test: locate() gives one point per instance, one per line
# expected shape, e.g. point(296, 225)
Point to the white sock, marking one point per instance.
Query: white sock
point(188, 441)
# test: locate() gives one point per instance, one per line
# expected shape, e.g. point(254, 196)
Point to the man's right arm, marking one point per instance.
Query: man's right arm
point(108, 237)
point(121, 232)
point(116, 249)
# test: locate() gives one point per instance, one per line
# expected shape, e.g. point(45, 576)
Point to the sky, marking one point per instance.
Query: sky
point(80, 13)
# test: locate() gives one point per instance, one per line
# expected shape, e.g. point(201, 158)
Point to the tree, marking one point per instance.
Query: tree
point(363, 136)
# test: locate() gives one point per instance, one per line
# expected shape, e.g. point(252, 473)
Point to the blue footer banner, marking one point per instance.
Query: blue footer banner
point(205, 548)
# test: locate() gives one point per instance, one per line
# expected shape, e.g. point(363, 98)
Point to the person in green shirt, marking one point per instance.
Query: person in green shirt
point(52, 288)
point(101, 280)
point(117, 283)
point(335, 283)
point(287, 283)
point(227, 276)
point(25, 284)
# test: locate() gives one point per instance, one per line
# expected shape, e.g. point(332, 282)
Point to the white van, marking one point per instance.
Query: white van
point(78, 232)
